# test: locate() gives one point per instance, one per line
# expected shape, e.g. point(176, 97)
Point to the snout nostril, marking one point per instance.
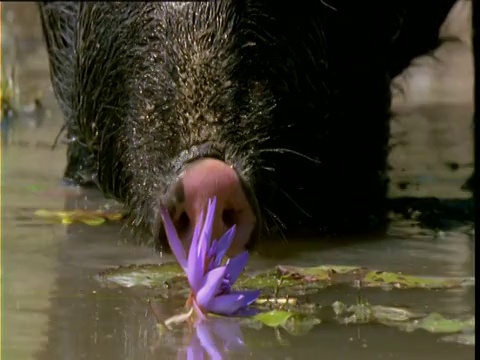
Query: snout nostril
point(182, 223)
point(228, 217)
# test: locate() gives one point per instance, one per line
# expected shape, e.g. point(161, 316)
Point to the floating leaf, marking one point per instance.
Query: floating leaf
point(297, 315)
point(44, 213)
point(88, 217)
point(273, 318)
point(264, 280)
point(316, 273)
point(355, 275)
point(93, 221)
point(365, 313)
point(386, 314)
point(436, 323)
point(287, 282)
point(463, 339)
point(406, 320)
point(142, 275)
point(294, 323)
point(113, 216)
point(399, 280)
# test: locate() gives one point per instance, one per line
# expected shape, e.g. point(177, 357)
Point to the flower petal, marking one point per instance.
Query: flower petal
point(230, 303)
point(198, 227)
point(173, 240)
point(211, 255)
point(207, 342)
point(250, 296)
point(224, 244)
point(236, 265)
point(195, 268)
point(206, 234)
point(209, 287)
point(226, 304)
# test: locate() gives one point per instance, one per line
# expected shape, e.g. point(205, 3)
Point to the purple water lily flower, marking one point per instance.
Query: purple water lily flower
point(210, 281)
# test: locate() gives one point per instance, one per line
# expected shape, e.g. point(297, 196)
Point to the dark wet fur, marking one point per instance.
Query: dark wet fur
point(295, 97)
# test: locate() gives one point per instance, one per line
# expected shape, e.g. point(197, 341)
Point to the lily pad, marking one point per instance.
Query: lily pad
point(294, 323)
point(291, 282)
point(88, 217)
point(264, 280)
point(463, 339)
point(406, 320)
point(399, 280)
point(273, 318)
point(298, 315)
point(316, 273)
point(437, 323)
point(385, 314)
point(152, 276)
point(297, 281)
point(362, 313)
point(355, 275)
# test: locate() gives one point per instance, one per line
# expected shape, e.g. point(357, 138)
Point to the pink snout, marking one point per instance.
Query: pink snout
point(204, 179)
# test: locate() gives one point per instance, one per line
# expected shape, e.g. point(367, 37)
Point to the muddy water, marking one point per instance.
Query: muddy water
point(54, 308)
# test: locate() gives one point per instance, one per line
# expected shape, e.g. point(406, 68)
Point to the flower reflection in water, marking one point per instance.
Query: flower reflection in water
point(215, 337)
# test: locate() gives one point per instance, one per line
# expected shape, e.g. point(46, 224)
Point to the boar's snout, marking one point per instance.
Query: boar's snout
point(202, 179)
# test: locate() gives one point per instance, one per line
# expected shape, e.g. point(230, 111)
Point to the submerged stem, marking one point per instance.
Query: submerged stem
point(178, 318)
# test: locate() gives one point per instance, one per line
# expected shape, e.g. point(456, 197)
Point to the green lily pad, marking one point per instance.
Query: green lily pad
point(399, 280)
point(296, 324)
point(386, 314)
point(316, 273)
point(296, 281)
point(286, 281)
point(264, 280)
point(286, 304)
point(406, 320)
point(437, 323)
point(362, 313)
point(298, 315)
point(151, 276)
point(273, 318)
point(356, 275)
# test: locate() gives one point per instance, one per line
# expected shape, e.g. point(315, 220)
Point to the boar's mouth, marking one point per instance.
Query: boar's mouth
point(175, 194)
